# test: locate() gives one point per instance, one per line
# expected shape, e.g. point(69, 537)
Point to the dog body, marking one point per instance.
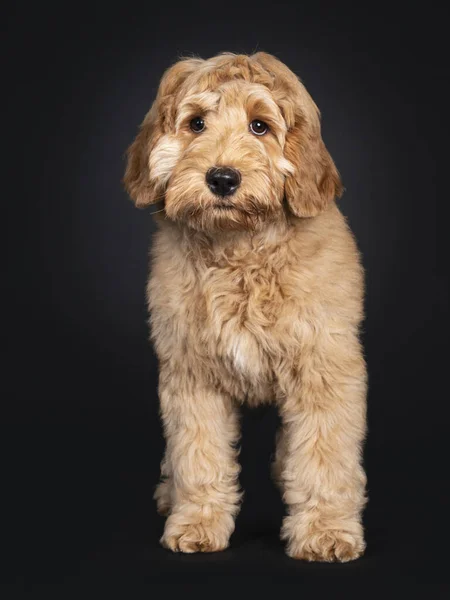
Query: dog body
point(255, 295)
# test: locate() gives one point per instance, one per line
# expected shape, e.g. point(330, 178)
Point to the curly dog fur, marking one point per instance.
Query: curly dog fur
point(254, 298)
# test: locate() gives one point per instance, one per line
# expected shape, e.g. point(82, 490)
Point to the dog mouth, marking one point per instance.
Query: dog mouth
point(224, 206)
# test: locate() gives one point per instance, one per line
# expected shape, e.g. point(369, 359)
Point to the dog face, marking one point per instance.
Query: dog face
point(226, 141)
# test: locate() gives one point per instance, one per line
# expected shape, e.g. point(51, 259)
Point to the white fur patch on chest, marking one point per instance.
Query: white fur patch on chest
point(238, 327)
point(242, 353)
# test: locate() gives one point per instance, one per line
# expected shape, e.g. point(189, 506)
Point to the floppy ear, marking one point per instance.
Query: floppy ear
point(315, 181)
point(143, 188)
point(137, 181)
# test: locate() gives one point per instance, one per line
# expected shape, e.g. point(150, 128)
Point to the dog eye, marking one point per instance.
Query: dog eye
point(258, 127)
point(197, 124)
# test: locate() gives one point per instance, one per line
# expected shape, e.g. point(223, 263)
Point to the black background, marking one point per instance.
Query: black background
point(80, 427)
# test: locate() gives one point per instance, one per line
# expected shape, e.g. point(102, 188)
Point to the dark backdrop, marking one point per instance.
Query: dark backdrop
point(81, 433)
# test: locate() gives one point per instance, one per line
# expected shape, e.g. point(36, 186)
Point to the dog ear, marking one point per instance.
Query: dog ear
point(137, 174)
point(315, 181)
point(142, 188)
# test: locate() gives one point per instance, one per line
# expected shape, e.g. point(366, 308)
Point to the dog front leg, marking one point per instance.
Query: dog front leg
point(201, 430)
point(322, 476)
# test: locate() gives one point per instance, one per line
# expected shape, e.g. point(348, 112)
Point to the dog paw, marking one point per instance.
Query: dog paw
point(327, 546)
point(310, 538)
point(202, 536)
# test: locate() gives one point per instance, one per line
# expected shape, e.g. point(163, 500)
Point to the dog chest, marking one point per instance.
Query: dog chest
point(242, 309)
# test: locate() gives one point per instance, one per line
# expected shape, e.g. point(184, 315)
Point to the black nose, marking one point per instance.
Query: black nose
point(223, 181)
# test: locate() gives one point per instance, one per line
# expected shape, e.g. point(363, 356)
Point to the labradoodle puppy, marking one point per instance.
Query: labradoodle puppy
point(255, 295)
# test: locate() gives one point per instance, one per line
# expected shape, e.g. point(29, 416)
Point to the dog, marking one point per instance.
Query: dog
point(255, 295)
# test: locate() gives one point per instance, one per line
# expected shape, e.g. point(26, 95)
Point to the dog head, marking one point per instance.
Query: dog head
point(227, 140)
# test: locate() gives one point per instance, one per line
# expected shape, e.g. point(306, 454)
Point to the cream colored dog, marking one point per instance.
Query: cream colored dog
point(255, 295)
